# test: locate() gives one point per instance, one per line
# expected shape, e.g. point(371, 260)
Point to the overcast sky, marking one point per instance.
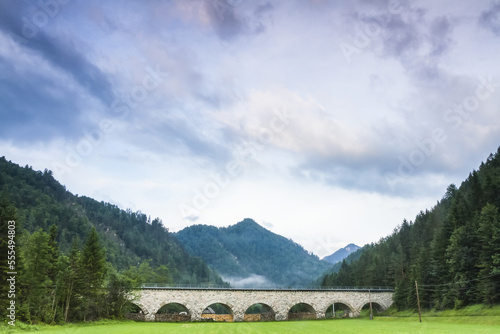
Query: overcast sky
point(327, 122)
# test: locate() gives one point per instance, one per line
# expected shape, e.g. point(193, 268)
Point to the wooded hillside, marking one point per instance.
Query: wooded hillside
point(452, 250)
point(75, 257)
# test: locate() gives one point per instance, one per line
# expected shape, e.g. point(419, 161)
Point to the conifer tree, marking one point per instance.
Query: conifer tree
point(489, 236)
point(93, 270)
point(70, 279)
point(38, 286)
point(53, 268)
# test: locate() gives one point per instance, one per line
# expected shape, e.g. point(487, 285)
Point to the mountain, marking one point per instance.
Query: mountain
point(341, 254)
point(128, 237)
point(451, 250)
point(248, 255)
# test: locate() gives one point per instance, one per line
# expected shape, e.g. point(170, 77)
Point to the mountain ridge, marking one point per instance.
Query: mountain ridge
point(249, 255)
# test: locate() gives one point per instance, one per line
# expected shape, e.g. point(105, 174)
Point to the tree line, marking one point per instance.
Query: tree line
point(77, 258)
point(54, 287)
point(452, 250)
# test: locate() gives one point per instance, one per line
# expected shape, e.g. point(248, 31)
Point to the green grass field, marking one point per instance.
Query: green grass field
point(469, 320)
point(382, 325)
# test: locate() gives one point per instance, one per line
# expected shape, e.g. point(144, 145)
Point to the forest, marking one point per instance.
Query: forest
point(77, 258)
point(451, 250)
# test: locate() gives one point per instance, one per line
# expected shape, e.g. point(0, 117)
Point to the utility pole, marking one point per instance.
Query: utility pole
point(333, 310)
point(418, 303)
point(371, 309)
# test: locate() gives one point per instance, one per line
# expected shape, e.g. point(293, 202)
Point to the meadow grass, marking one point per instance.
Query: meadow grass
point(382, 325)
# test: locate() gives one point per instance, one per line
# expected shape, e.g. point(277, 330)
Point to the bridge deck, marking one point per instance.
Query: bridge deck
point(148, 286)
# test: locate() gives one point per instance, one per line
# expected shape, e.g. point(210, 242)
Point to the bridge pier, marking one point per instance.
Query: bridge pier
point(195, 316)
point(149, 317)
point(238, 316)
point(281, 316)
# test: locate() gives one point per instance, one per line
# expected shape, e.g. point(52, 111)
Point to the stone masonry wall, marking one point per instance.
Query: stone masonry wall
point(280, 301)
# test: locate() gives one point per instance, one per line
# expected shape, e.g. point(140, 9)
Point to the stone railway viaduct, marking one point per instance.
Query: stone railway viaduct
point(278, 302)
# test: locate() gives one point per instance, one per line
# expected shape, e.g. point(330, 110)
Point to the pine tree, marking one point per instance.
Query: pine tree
point(35, 278)
point(53, 268)
point(489, 236)
point(93, 270)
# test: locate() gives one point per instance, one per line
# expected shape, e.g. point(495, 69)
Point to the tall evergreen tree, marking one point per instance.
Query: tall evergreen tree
point(489, 236)
point(93, 271)
point(38, 286)
point(70, 280)
point(53, 268)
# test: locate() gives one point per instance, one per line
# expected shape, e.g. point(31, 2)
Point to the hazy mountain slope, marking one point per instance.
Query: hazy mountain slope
point(248, 254)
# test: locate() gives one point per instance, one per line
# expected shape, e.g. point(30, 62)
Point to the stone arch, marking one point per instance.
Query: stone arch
point(135, 312)
point(342, 309)
point(173, 312)
point(214, 312)
point(377, 307)
point(301, 311)
point(383, 301)
point(266, 313)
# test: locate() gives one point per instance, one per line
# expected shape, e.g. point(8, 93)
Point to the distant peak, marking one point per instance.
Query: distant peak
point(248, 221)
point(247, 225)
point(342, 253)
point(351, 247)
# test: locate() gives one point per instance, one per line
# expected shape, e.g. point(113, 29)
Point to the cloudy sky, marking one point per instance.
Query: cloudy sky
point(328, 122)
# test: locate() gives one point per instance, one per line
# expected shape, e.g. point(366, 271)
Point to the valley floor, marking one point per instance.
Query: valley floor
point(479, 319)
point(382, 325)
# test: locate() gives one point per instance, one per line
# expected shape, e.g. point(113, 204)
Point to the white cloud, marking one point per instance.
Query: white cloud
point(267, 85)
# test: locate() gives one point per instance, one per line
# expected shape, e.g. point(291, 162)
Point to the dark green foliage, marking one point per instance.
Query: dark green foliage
point(302, 308)
point(247, 248)
point(453, 250)
point(144, 273)
point(70, 281)
point(118, 288)
point(489, 238)
point(7, 213)
point(38, 286)
point(93, 272)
